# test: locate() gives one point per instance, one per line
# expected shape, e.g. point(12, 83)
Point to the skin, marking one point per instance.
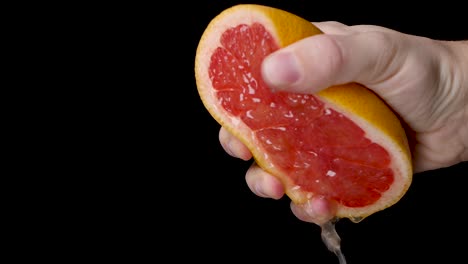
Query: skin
point(424, 80)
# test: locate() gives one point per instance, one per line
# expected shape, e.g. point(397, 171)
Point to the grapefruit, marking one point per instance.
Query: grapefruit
point(343, 144)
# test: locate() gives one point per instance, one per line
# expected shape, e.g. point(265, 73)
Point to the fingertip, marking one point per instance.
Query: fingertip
point(317, 210)
point(264, 184)
point(281, 70)
point(274, 188)
point(306, 66)
point(233, 146)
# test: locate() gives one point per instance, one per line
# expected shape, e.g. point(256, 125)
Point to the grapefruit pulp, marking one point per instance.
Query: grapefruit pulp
point(343, 144)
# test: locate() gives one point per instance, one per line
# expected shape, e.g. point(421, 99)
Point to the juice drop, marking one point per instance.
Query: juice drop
point(356, 219)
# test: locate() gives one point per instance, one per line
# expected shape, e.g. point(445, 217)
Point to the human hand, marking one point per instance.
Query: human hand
point(425, 81)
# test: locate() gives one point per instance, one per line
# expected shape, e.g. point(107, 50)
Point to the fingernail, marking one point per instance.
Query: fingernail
point(281, 69)
point(259, 190)
point(321, 209)
point(228, 149)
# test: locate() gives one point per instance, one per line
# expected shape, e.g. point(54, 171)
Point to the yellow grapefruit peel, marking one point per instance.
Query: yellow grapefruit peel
point(355, 101)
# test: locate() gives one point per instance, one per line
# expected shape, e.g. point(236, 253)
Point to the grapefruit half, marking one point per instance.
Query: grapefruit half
point(343, 144)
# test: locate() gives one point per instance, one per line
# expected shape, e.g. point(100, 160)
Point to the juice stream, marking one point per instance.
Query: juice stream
point(332, 240)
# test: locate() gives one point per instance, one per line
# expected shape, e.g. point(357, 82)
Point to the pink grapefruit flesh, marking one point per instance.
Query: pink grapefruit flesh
point(322, 151)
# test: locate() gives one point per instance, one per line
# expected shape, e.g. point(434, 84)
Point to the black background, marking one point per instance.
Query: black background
point(192, 196)
point(136, 172)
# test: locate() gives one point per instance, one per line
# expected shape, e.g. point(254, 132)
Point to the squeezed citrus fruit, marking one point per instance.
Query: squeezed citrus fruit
point(343, 144)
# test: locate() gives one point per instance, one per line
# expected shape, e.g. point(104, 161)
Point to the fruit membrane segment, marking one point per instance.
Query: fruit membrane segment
point(320, 149)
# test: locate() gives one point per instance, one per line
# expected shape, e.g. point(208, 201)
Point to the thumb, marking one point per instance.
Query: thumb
point(320, 61)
